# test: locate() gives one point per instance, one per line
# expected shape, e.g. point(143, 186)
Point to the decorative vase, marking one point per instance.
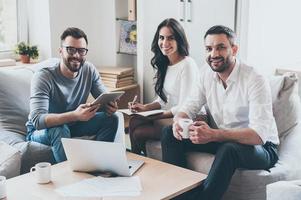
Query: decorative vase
point(25, 58)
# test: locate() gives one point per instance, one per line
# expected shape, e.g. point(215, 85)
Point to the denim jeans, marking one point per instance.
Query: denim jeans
point(102, 126)
point(228, 157)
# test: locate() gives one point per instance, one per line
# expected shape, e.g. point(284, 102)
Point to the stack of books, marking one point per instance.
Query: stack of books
point(117, 77)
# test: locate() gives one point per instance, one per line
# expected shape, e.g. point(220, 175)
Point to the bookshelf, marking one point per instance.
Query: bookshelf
point(124, 57)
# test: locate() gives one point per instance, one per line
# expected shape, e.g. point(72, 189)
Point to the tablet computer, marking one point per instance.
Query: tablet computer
point(105, 98)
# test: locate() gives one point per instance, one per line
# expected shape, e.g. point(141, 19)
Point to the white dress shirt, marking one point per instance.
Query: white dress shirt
point(245, 103)
point(178, 84)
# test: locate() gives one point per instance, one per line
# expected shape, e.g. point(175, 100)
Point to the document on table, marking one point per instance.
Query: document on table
point(100, 187)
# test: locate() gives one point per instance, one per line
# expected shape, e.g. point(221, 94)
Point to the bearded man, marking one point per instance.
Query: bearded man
point(59, 93)
point(240, 102)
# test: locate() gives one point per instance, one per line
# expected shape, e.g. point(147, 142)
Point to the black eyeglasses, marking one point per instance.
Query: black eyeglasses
point(72, 50)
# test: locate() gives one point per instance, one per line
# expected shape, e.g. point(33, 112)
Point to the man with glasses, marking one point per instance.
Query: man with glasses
point(58, 107)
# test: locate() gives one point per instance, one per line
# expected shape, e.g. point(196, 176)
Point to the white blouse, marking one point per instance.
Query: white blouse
point(178, 84)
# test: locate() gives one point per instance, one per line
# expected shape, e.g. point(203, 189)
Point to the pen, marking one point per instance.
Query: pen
point(134, 100)
point(132, 103)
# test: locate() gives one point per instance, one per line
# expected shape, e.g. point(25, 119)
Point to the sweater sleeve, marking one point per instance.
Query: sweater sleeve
point(97, 85)
point(39, 99)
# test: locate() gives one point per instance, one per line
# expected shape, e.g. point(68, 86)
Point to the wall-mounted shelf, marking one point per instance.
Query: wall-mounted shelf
point(124, 19)
point(118, 52)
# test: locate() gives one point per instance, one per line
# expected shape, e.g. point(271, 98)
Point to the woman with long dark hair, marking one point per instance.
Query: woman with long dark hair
point(175, 74)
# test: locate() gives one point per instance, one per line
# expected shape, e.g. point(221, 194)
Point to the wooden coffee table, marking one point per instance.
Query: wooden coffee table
point(159, 181)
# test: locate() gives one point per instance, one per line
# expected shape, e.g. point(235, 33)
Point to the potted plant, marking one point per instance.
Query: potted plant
point(26, 52)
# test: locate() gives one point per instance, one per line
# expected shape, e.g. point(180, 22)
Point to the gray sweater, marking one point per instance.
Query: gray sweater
point(51, 92)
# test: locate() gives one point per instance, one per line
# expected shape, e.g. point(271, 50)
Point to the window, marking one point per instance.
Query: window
point(8, 25)
point(13, 26)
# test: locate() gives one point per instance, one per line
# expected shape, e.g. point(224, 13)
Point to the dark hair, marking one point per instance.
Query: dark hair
point(220, 29)
point(74, 32)
point(161, 62)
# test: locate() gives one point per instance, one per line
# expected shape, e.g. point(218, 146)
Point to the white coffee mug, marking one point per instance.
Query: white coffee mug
point(185, 123)
point(42, 172)
point(2, 187)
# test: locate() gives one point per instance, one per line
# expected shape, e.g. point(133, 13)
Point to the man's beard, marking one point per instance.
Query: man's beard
point(223, 67)
point(73, 67)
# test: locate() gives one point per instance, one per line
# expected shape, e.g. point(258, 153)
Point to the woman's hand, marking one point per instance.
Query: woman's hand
point(137, 107)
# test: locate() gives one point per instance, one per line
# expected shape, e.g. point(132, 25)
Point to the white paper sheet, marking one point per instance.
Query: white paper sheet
point(100, 187)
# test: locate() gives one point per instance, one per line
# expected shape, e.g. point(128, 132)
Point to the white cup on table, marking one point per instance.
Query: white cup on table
point(2, 187)
point(42, 172)
point(185, 124)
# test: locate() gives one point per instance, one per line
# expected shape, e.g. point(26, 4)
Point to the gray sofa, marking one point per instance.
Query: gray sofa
point(251, 184)
point(17, 156)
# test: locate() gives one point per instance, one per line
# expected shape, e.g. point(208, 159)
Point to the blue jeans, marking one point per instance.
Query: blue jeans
point(228, 157)
point(101, 125)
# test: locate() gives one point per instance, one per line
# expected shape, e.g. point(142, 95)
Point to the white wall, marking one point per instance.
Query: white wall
point(95, 18)
point(39, 26)
point(273, 37)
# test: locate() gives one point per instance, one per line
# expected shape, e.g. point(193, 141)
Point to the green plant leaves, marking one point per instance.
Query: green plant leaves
point(24, 49)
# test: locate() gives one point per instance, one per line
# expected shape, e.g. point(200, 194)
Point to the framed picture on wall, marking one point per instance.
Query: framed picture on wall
point(128, 37)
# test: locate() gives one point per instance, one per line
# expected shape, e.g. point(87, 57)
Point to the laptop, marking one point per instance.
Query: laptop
point(97, 156)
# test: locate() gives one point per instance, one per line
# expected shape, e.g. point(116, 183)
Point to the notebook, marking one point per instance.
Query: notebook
point(98, 156)
point(145, 113)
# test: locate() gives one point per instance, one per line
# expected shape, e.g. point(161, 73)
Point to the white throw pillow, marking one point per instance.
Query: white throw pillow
point(14, 98)
point(286, 102)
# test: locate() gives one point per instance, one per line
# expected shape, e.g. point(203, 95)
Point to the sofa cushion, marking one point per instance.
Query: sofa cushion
point(282, 71)
point(10, 160)
point(14, 98)
point(289, 190)
point(200, 161)
point(32, 153)
point(46, 63)
point(286, 102)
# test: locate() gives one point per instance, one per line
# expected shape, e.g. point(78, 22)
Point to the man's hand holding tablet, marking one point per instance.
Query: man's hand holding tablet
point(108, 101)
point(107, 97)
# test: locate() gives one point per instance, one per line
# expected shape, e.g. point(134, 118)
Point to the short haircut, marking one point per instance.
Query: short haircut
point(75, 33)
point(220, 29)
